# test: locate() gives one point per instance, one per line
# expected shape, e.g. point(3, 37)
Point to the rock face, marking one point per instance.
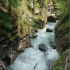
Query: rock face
point(10, 49)
point(62, 35)
point(49, 30)
point(23, 43)
point(2, 66)
point(43, 47)
point(32, 33)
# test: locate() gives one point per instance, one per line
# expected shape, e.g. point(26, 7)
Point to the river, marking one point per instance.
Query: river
point(33, 58)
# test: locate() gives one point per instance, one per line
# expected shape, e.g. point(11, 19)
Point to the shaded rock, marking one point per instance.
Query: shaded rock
point(62, 35)
point(53, 46)
point(51, 19)
point(36, 30)
point(40, 23)
point(49, 30)
point(10, 49)
point(2, 66)
point(51, 42)
point(23, 43)
point(43, 47)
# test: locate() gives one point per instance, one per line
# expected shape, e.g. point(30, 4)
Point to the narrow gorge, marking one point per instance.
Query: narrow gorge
point(41, 55)
point(34, 35)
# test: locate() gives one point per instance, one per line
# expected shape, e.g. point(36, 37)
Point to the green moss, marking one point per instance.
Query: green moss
point(12, 38)
point(5, 21)
point(69, 67)
point(64, 25)
point(8, 35)
point(17, 25)
point(29, 22)
point(63, 57)
point(67, 35)
point(21, 29)
point(60, 62)
point(58, 68)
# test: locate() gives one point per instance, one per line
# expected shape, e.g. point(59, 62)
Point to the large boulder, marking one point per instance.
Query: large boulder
point(43, 47)
point(49, 30)
point(51, 19)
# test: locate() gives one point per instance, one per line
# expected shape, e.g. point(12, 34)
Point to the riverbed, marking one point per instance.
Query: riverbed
point(34, 59)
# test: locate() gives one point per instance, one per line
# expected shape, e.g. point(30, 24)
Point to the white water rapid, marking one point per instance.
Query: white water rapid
point(33, 58)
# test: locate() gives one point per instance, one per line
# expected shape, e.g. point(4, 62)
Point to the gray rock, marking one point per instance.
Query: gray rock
point(32, 35)
point(49, 30)
point(43, 47)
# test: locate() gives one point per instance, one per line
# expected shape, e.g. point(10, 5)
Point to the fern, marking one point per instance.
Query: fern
point(58, 68)
point(5, 21)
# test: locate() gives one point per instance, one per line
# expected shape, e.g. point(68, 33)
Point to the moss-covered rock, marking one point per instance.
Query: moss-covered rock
point(62, 34)
point(63, 61)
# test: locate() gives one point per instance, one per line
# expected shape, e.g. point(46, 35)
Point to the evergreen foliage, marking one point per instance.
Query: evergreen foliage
point(62, 6)
point(5, 19)
point(14, 3)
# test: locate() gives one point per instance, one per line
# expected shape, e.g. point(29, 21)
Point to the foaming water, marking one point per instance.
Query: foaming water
point(34, 59)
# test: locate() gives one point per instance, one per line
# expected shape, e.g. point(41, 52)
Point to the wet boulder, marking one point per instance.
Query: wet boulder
point(43, 47)
point(49, 30)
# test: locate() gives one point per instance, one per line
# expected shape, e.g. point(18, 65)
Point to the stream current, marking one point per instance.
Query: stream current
point(33, 58)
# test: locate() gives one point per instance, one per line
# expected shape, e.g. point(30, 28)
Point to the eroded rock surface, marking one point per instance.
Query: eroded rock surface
point(62, 35)
point(10, 49)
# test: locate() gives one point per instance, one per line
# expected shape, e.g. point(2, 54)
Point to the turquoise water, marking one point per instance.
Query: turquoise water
point(34, 59)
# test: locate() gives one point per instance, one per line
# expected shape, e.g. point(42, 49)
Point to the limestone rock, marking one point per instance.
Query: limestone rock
point(31, 33)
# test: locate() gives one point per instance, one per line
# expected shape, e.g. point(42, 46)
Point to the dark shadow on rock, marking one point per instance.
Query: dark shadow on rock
point(53, 45)
point(51, 19)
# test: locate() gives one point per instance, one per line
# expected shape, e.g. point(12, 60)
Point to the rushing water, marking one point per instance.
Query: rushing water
point(34, 59)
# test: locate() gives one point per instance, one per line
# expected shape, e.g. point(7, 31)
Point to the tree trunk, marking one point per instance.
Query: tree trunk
point(9, 10)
